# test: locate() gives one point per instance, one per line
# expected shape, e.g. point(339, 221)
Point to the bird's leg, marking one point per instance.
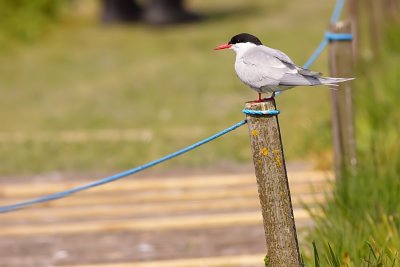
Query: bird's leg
point(259, 100)
point(270, 98)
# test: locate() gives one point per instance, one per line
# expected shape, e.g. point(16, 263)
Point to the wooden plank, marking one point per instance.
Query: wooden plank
point(170, 195)
point(41, 188)
point(140, 184)
point(226, 261)
point(52, 214)
point(148, 224)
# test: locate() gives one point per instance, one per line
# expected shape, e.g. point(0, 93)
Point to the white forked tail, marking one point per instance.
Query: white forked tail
point(333, 81)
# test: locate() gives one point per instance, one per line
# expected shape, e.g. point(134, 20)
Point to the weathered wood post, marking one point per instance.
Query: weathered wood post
point(392, 8)
point(353, 10)
point(376, 19)
point(273, 187)
point(341, 65)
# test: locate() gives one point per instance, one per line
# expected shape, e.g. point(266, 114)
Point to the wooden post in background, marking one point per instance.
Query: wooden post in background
point(341, 65)
point(273, 187)
point(376, 25)
point(353, 11)
point(392, 8)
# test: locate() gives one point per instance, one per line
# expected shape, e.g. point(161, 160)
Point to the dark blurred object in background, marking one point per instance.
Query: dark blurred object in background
point(168, 12)
point(158, 12)
point(115, 11)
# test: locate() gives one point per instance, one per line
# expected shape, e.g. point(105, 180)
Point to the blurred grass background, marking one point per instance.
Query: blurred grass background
point(78, 96)
point(72, 76)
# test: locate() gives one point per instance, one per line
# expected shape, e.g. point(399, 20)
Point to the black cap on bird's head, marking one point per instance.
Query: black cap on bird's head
point(245, 38)
point(240, 38)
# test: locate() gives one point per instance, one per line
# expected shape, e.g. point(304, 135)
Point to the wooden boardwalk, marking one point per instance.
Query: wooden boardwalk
point(142, 222)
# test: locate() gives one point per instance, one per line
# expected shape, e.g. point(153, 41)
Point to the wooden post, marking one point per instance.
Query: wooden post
point(375, 15)
point(392, 8)
point(273, 187)
point(353, 15)
point(341, 65)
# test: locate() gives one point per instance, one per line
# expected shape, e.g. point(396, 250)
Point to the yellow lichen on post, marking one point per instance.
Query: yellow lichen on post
point(278, 161)
point(264, 151)
point(277, 157)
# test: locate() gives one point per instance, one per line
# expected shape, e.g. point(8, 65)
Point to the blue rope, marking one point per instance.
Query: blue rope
point(329, 36)
point(337, 11)
point(118, 176)
point(316, 53)
point(260, 112)
point(333, 36)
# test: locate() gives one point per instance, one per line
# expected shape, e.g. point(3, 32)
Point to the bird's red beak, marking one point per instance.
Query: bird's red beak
point(223, 46)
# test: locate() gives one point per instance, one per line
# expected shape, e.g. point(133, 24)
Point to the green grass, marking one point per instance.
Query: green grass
point(25, 20)
point(362, 221)
point(82, 76)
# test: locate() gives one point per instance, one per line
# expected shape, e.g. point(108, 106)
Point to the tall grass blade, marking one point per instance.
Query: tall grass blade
point(316, 256)
point(333, 259)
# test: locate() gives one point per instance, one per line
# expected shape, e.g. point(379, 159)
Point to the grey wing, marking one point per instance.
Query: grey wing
point(302, 77)
point(297, 75)
point(261, 69)
point(290, 79)
point(278, 54)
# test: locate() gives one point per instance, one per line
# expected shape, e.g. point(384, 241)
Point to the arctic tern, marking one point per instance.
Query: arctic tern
point(268, 70)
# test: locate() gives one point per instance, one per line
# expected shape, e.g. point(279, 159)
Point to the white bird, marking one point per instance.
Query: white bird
point(268, 70)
